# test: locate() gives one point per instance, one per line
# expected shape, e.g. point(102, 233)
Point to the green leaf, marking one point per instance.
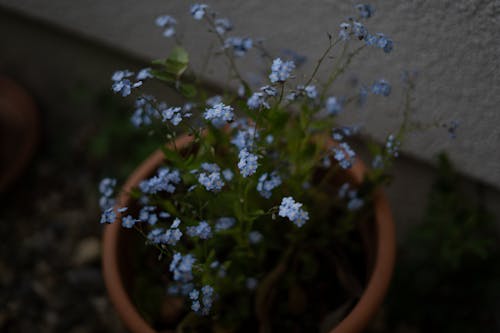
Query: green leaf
point(177, 62)
point(173, 156)
point(163, 76)
point(188, 90)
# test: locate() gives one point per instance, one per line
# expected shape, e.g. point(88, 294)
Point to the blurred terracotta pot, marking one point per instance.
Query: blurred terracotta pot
point(383, 245)
point(19, 130)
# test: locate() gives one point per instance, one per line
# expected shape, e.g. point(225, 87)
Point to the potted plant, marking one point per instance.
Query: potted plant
point(260, 217)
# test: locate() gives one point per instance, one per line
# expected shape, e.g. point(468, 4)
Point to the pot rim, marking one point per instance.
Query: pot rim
point(355, 321)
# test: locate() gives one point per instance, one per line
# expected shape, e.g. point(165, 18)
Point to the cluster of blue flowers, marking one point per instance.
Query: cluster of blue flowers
point(168, 23)
point(182, 267)
point(293, 211)
point(202, 230)
point(357, 29)
point(354, 201)
point(107, 189)
point(260, 99)
point(211, 177)
point(203, 304)
point(392, 145)
point(123, 83)
point(340, 133)
point(245, 136)
point(144, 111)
point(219, 114)
point(165, 180)
point(198, 11)
point(281, 70)
point(254, 237)
point(170, 236)
point(344, 155)
point(333, 106)
point(268, 182)
point(381, 87)
point(224, 223)
point(247, 163)
point(240, 46)
point(223, 25)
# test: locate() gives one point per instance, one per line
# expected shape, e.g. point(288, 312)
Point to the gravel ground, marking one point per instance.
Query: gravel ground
point(50, 274)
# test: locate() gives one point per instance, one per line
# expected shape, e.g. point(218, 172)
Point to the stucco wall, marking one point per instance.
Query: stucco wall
point(454, 45)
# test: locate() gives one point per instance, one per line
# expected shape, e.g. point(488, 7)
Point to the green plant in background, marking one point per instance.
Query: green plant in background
point(117, 145)
point(447, 277)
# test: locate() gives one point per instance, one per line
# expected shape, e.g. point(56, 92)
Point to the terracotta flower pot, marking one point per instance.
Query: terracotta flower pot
point(19, 130)
point(384, 244)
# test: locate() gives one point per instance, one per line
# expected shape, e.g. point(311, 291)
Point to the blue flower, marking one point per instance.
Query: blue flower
point(223, 25)
point(165, 180)
point(210, 167)
point(107, 187)
point(241, 90)
point(224, 223)
point(144, 74)
point(345, 31)
point(202, 230)
point(146, 214)
point(182, 267)
point(108, 216)
point(339, 133)
point(219, 112)
point(251, 283)
point(244, 138)
point(247, 163)
point(381, 87)
point(354, 201)
point(365, 11)
point(392, 146)
point(381, 41)
point(267, 182)
point(311, 91)
point(172, 114)
point(293, 211)
point(344, 155)
point(167, 22)
point(144, 111)
point(254, 237)
point(198, 11)
point(123, 85)
point(128, 222)
point(258, 100)
point(269, 91)
point(359, 30)
point(378, 162)
point(207, 298)
point(281, 71)
point(240, 46)
point(214, 100)
point(228, 174)
point(212, 181)
point(170, 236)
point(333, 106)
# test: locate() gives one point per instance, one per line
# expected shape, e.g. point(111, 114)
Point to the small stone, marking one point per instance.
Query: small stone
point(87, 251)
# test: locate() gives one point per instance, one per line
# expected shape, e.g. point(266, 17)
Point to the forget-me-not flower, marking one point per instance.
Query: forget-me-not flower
point(281, 70)
point(293, 211)
point(247, 163)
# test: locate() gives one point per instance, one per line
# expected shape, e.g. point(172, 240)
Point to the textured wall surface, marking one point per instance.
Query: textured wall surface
point(454, 45)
